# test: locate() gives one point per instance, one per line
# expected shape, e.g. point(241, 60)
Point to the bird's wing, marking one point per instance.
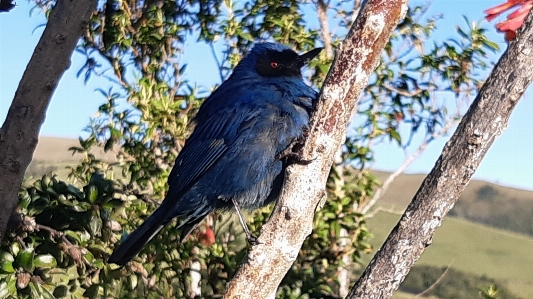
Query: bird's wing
point(214, 134)
point(212, 137)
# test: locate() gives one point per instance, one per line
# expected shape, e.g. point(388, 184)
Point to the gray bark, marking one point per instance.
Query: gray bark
point(19, 133)
point(483, 123)
point(291, 221)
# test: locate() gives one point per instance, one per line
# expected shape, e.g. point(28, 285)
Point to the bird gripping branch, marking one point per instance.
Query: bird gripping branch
point(236, 155)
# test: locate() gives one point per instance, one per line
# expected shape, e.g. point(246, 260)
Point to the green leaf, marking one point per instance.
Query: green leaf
point(25, 200)
point(59, 276)
point(45, 261)
point(396, 136)
point(93, 193)
point(127, 42)
point(98, 247)
point(99, 264)
point(75, 191)
point(74, 235)
point(6, 266)
point(8, 286)
point(96, 225)
point(76, 149)
point(37, 291)
point(15, 248)
point(89, 256)
point(133, 281)
point(25, 260)
point(492, 45)
point(114, 203)
point(61, 291)
point(6, 256)
point(156, 35)
point(3, 289)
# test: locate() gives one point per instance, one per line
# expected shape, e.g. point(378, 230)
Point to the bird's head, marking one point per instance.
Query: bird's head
point(276, 60)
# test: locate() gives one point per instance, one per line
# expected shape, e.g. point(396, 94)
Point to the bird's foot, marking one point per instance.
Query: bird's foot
point(252, 240)
point(291, 153)
point(294, 158)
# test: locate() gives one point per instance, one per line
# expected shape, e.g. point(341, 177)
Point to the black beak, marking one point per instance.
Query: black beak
point(305, 58)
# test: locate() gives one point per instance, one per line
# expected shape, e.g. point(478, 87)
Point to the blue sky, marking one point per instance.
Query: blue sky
point(509, 161)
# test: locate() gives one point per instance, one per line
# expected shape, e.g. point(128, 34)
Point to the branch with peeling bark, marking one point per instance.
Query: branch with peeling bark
point(19, 133)
point(291, 221)
point(485, 120)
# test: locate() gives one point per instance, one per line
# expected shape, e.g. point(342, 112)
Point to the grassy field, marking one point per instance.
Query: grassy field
point(472, 248)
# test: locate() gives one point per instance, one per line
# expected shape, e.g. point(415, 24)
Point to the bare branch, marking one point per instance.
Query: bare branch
point(433, 285)
point(29, 224)
point(220, 64)
point(19, 133)
point(322, 9)
point(403, 92)
point(391, 210)
point(291, 221)
point(485, 120)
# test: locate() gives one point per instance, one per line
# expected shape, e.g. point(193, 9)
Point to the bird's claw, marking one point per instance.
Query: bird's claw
point(294, 158)
point(300, 161)
point(252, 240)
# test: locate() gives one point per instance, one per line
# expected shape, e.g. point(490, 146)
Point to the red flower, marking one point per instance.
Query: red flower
point(514, 20)
point(208, 237)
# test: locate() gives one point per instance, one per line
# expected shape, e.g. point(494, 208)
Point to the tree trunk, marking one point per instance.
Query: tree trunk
point(484, 121)
point(291, 221)
point(19, 133)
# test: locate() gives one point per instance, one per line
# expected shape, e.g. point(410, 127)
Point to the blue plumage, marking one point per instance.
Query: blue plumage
point(232, 156)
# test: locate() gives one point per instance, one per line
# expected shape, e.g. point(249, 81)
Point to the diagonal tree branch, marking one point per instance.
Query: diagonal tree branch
point(19, 133)
point(291, 221)
point(485, 120)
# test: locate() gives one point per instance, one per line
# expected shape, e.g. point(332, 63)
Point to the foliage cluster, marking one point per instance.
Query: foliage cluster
point(64, 232)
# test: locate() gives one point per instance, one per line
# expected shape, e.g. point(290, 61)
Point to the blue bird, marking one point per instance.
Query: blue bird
point(242, 141)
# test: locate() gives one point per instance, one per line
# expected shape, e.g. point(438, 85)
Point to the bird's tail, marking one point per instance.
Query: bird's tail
point(142, 235)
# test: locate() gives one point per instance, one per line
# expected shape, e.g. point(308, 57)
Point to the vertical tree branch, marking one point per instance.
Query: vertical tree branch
point(291, 221)
point(19, 133)
point(485, 120)
point(343, 273)
point(322, 9)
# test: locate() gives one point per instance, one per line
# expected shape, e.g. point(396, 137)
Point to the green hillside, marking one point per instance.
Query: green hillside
point(505, 208)
point(497, 206)
point(472, 248)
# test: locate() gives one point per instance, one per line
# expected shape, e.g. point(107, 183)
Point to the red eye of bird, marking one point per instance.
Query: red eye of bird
point(274, 65)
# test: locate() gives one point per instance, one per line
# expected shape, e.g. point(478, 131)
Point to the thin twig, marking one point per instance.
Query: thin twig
point(408, 160)
point(54, 233)
point(436, 282)
point(381, 209)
